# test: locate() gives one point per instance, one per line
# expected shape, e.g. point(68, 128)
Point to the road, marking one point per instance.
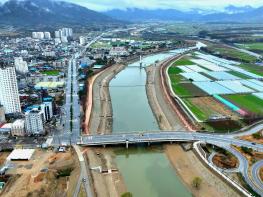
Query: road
point(255, 170)
point(83, 175)
point(223, 141)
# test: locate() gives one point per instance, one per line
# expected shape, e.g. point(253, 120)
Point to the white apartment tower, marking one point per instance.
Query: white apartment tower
point(9, 96)
point(35, 122)
point(21, 65)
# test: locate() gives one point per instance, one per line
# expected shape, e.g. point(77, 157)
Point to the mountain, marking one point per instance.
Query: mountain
point(48, 12)
point(230, 13)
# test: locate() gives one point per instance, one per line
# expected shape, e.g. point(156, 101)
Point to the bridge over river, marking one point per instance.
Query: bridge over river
point(164, 137)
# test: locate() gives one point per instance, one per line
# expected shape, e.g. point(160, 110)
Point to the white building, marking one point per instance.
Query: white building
point(47, 35)
point(64, 39)
point(64, 32)
point(82, 40)
point(2, 114)
point(118, 51)
point(21, 65)
point(47, 109)
point(9, 96)
point(35, 122)
point(38, 35)
point(18, 128)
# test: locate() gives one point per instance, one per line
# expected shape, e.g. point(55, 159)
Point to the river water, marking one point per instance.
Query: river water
point(147, 171)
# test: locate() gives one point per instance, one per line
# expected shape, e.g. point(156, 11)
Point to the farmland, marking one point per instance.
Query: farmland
point(230, 53)
point(248, 102)
point(217, 91)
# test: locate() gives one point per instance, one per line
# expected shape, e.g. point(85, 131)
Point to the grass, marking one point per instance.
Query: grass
point(253, 68)
point(237, 74)
point(248, 102)
point(182, 62)
point(51, 72)
point(201, 115)
point(174, 70)
point(252, 46)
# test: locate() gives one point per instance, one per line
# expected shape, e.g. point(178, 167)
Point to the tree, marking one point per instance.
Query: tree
point(127, 194)
point(256, 135)
point(197, 182)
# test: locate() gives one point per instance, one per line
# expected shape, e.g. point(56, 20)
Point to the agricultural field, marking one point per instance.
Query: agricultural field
point(248, 102)
point(217, 91)
point(207, 107)
point(230, 53)
point(253, 68)
point(257, 46)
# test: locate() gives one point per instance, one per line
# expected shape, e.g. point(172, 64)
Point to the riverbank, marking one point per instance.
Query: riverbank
point(99, 121)
point(98, 115)
point(186, 164)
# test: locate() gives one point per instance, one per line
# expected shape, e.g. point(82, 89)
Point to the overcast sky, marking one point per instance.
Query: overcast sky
point(151, 4)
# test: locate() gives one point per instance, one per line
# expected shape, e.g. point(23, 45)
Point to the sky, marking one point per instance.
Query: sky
point(102, 5)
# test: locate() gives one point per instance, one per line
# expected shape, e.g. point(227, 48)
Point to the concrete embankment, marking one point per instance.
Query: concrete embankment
point(98, 115)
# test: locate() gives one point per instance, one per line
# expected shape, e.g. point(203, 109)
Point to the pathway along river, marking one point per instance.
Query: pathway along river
point(147, 171)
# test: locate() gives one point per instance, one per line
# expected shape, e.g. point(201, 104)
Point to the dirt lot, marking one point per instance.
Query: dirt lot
point(43, 175)
point(188, 166)
point(3, 156)
point(250, 138)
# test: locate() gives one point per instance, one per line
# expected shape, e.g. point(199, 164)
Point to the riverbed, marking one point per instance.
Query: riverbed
point(146, 171)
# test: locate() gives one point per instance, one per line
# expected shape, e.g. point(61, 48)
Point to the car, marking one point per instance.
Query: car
point(83, 179)
point(253, 143)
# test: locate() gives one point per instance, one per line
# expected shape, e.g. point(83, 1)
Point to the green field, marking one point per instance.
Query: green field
point(248, 102)
point(201, 115)
point(101, 45)
point(182, 62)
point(253, 68)
point(237, 74)
point(51, 72)
point(252, 46)
point(235, 54)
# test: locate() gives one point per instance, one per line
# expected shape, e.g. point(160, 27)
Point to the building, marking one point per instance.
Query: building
point(21, 66)
point(18, 128)
point(2, 114)
point(47, 35)
point(82, 40)
point(35, 122)
point(9, 96)
point(64, 39)
point(64, 32)
point(47, 108)
point(118, 52)
point(38, 35)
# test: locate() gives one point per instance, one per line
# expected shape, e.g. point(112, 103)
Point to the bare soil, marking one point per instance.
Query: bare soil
point(225, 161)
point(35, 180)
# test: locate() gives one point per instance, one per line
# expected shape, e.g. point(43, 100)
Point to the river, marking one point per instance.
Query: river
point(147, 172)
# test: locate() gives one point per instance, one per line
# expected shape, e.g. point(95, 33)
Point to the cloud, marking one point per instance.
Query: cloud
point(152, 4)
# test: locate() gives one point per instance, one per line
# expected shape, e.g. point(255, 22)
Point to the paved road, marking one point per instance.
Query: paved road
point(83, 175)
point(255, 173)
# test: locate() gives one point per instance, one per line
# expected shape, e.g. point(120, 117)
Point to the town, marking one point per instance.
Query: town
point(100, 104)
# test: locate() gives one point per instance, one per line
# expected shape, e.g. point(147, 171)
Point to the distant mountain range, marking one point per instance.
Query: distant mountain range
point(49, 12)
point(229, 14)
point(34, 13)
